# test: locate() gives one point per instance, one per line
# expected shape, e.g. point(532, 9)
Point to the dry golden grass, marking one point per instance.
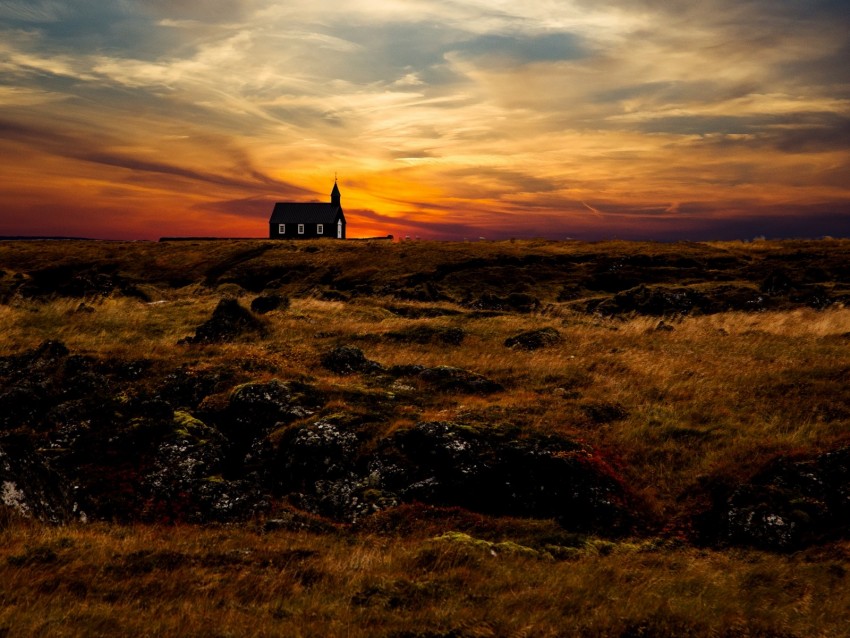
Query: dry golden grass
point(719, 395)
point(175, 581)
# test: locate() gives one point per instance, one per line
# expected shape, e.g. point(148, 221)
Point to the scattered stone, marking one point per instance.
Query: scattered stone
point(267, 303)
point(347, 360)
point(534, 339)
point(229, 320)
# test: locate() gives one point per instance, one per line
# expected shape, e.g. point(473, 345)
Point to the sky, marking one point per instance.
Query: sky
point(443, 119)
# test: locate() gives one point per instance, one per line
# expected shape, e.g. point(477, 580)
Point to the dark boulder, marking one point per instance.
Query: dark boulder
point(184, 480)
point(229, 320)
point(317, 467)
point(327, 469)
point(448, 464)
point(534, 339)
point(266, 303)
point(657, 301)
point(29, 487)
point(253, 411)
point(187, 387)
point(789, 504)
point(347, 360)
point(777, 283)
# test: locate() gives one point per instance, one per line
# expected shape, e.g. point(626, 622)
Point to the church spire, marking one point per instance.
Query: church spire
point(335, 193)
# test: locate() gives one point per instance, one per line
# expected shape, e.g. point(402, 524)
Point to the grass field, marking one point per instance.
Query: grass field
point(675, 400)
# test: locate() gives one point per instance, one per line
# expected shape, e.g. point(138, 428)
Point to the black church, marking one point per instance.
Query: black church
point(308, 220)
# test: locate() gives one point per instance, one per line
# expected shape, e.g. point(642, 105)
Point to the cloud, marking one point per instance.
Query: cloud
point(547, 47)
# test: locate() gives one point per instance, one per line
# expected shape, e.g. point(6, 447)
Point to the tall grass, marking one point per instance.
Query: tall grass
point(144, 581)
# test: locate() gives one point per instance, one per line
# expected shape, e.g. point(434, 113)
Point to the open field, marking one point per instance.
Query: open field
point(425, 439)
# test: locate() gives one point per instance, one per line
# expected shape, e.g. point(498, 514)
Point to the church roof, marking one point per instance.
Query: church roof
point(305, 213)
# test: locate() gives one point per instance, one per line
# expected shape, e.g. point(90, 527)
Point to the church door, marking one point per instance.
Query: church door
point(339, 229)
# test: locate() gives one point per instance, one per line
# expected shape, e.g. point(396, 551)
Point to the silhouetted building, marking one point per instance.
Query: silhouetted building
point(308, 220)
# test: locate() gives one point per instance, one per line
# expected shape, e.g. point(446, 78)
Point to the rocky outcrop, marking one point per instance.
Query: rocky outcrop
point(29, 487)
point(534, 339)
point(267, 303)
point(80, 281)
point(229, 320)
point(329, 471)
point(347, 360)
point(789, 504)
point(102, 438)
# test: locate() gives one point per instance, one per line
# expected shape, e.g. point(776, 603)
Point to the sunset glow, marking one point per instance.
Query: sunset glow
point(444, 119)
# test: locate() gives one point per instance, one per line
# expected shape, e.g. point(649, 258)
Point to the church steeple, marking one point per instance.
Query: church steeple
point(335, 194)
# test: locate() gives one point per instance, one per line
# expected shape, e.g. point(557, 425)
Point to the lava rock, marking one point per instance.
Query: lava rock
point(534, 339)
point(657, 301)
point(266, 303)
point(347, 360)
point(29, 487)
point(317, 468)
point(184, 482)
point(789, 504)
point(229, 320)
point(253, 412)
point(448, 464)
point(187, 387)
point(325, 468)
